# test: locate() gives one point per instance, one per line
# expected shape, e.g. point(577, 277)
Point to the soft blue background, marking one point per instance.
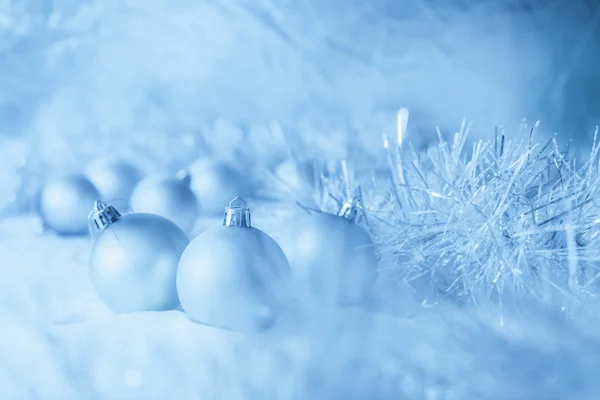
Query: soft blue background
point(101, 67)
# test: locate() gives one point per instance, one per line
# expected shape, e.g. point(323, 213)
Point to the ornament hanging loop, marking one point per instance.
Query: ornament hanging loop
point(351, 210)
point(101, 217)
point(237, 216)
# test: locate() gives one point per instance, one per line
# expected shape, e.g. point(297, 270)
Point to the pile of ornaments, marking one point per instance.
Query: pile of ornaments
point(233, 276)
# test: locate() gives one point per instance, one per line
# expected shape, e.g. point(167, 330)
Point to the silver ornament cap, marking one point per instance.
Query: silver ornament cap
point(237, 216)
point(351, 210)
point(102, 216)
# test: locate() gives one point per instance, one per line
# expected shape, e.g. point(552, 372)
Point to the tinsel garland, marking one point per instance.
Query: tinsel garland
point(504, 220)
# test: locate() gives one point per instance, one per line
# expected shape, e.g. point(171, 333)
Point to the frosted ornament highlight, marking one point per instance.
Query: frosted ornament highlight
point(169, 197)
point(133, 263)
point(64, 204)
point(215, 183)
point(332, 258)
point(233, 277)
point(114, 179)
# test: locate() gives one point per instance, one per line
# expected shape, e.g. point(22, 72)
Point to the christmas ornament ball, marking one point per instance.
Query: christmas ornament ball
point(168, 197)
point(215, 183)
point(64, 204)
point(133, 263)
point(332, 259)
point(233, 277)
point(114, 179)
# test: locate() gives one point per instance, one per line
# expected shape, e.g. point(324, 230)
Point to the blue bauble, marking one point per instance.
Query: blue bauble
point(168, 197)
point(114, 179)
point(65, 202)
point(133, 264)
point(235, 278)
point(215, 184)
point(332, 259)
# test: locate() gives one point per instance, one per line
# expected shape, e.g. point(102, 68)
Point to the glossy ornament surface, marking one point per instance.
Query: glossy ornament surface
point(64, 204)
point(332, 258)
point(114, 179)
point(233, 277)
point(169, 197)
point(215, 184)
point(133, 264)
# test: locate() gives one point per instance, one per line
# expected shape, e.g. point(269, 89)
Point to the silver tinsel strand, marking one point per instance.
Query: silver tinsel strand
point(502, 220)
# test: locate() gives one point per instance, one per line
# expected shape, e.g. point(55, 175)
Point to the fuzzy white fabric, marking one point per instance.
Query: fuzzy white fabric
point(60, 341)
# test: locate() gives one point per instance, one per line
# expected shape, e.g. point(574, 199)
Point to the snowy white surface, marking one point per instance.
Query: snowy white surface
point(59, 341)
point(109, 76)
